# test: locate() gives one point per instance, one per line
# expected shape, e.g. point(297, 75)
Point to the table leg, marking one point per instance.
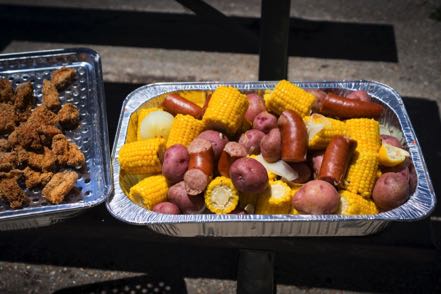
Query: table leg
point(274, 34)
point(255, 272)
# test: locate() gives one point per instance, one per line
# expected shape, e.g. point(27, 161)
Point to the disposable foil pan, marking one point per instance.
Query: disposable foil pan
point(86, 92)
point(395, 121)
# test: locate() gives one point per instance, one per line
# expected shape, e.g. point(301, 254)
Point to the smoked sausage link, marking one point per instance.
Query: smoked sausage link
point(334, 105)
point(176, 104)
point(201, 156)
point(294, 137)
point(336, 160)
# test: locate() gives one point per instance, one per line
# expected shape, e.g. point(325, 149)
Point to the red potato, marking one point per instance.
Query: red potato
point(390, 191)
point(175, 163)
point(359, 95)
point(265, 122)
point(217, 140)
point(316, 197)
point(249, 175)
point(251, 140)
point(189, 205)
point(391, 140)
point(166, 208)
point(255, 106)
point(303, 170)
point(317, 160)
point(270, 145)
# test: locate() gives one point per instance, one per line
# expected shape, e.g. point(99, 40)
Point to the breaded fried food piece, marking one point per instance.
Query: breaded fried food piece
point(62, 77)
point(8, 161)
point(34, 178)
point(11, 192)
point(26, 135)
point(67, 153)
point(6, 91)
point(69, 116)
point(4, 145)
point(59, 186)
point(46, 133)
point(51, 98)
point(42, 162)
point(7, 118)
point(43, 116)
point(24, 97)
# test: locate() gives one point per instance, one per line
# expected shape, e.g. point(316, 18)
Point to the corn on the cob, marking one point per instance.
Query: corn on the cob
point(321, 129)
point(149, 191)
point(221, 196)
point(353, 204)
point(362, 173)
point(366, 132)
point(142, 113)
point(142, 157)
point(184, 129)
point(226, 110)
point(287, 96)
point(275, 200)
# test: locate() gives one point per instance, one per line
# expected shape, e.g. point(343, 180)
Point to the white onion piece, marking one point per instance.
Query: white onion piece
point(280, 168)
point(313, 128)
point(156, 124)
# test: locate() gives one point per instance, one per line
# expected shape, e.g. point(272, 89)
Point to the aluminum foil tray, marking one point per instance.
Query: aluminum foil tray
point(86, 92)
point(395, 120)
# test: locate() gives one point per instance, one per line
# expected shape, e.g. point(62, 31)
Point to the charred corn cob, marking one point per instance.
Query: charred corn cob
point(142, 113)
point(353, 204)
point(321, 129)
point(287, 96)
point(275, 200)
point(366, 132)
point(142, 157)
point(150, 191)
point(184, 129)
point(226, 110)
point(221, 196)
point(362, 173)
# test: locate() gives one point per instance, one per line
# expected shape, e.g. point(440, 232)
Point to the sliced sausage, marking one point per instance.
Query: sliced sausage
point(175, 104)
point(231, 152)
point(342, 107)
point(201, 156)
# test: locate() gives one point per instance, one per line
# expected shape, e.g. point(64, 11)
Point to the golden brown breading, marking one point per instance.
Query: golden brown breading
point(59, 186)
point(69, 116)
point(34, 178)
point(24, 97)
point(11, 192)
point(42, 162)
point(62, 77)
point(26, 135)
point(51, 98)
point(7, 118)
point(6, 91)
point(46, 133)
point(8, 161)
point(67, 153)
point(43, 116)
point(4, 145)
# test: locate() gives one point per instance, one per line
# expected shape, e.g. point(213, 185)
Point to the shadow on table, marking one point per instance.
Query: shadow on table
point(137, 285)
point(308, 38)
